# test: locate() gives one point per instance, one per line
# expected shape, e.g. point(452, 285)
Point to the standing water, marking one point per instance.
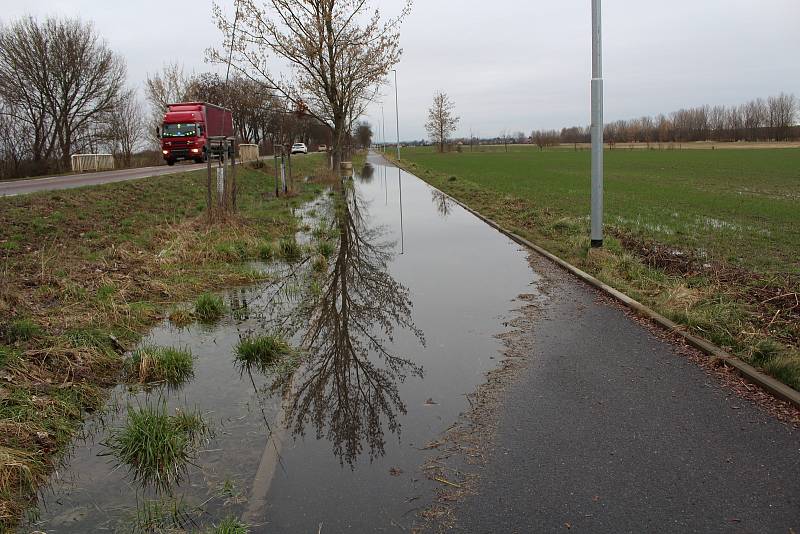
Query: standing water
point(394, 317)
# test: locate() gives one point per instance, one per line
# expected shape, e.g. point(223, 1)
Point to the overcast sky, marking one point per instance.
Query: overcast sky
point(513, 64)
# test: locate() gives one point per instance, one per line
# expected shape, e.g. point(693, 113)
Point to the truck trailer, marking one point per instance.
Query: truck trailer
point(187, 128)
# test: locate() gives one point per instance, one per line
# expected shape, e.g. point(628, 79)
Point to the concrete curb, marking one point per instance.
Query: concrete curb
point(750, 373)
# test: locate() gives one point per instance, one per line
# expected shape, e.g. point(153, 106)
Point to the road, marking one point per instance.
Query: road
point(69, 181)
point(611, 429)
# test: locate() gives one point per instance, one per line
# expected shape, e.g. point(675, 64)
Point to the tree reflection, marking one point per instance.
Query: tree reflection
point(367, 173)
point(442, 202)
point(347, 385)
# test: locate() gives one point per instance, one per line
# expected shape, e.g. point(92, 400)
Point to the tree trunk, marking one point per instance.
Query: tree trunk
point(336, 149)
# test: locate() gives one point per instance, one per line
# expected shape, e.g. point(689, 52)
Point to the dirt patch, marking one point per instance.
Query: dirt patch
point(772, 301)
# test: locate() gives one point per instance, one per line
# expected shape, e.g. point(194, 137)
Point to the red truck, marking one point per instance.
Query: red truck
point(187, 127)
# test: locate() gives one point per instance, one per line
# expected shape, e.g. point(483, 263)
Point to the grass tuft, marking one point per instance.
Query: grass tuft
point(290, 250)
point(265, 352)
point(161, 515)
point(19, 471)
point(265, 349)
point(151, 364)
point(209, 308)
point(180, 317)
point(231, 525)
point(21, 330)
point(266, 251)
point(156, 447)
point(325, 249)
point(320, 264)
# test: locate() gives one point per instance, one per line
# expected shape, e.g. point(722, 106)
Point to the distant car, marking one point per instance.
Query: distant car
point(322, 148)
point(299, 148)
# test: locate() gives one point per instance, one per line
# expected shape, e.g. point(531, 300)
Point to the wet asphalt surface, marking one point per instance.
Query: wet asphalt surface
point(610, 430)
point(70, 181)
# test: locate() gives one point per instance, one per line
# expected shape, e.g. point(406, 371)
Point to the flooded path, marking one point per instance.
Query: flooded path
point(396, 326)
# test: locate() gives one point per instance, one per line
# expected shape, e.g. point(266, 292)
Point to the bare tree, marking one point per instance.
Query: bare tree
point(15, 142)
point(442, 120)
point(125, 130)
point(161, 89)
point(339, 52)
point(755, 118)
point(545, 138)
point(364, 134)
point(781, 113)
point(62, 77)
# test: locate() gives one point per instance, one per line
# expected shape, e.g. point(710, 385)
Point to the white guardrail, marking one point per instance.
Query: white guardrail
point(92, 162)
point(248, 152)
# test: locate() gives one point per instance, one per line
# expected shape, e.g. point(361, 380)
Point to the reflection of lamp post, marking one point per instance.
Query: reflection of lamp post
point(597, 127)
point(400, 187)
point(397, 113)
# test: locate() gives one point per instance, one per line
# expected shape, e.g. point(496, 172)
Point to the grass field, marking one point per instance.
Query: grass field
point(710, 238)
point(84, 272)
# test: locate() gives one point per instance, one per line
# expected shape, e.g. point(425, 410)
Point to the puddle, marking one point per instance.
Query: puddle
point(395, 328)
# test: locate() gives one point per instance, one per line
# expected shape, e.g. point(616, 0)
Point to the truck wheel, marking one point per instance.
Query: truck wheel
point(170, 162)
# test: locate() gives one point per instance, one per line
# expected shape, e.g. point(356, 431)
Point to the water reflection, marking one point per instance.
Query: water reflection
point(347, 386)
point(442, 202)
point(367, 173)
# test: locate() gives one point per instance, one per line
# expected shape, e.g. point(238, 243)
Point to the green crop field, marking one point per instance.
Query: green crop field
point(709, 238)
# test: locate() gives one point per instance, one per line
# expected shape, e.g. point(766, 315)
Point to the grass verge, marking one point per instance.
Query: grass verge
point(706, 238)
point(85, 272)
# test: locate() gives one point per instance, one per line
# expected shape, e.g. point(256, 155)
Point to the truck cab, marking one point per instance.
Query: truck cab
point(186, 128)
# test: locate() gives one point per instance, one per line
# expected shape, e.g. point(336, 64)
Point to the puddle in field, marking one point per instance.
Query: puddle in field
point(396, 327)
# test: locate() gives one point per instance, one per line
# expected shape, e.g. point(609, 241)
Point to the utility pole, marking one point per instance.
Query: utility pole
point(597, 127)
point(383, 129)
point(397, 113)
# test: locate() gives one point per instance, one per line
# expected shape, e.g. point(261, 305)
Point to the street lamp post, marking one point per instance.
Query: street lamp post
point(383, 130)
point(597, 127)
point(397, 113)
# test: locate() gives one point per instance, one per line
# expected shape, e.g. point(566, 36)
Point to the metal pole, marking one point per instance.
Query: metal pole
point(597, 127)
point(283, 168)
point(208, 181)
point(234, 192)
point(397, 113)
point(383, 129)
point(275, 156)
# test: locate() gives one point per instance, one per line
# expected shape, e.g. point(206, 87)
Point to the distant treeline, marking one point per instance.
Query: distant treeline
point(773, 119)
